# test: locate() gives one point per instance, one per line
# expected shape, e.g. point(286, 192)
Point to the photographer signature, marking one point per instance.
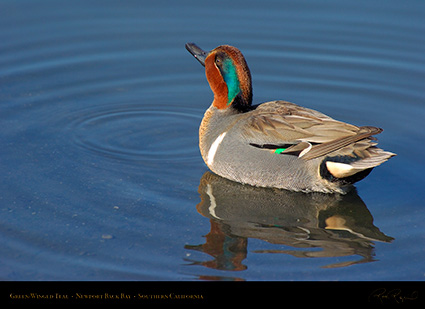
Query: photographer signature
point(395, 295)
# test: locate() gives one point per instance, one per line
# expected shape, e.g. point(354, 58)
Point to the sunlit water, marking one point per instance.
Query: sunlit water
point(101, 176)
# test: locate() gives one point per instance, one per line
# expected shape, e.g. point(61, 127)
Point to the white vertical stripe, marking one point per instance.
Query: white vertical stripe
point(214, 147)
point(213, 204)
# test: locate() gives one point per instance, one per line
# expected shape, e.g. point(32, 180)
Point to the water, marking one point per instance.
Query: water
point(101, 173)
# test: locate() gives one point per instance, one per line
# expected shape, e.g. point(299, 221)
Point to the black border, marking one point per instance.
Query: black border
point(211, 293)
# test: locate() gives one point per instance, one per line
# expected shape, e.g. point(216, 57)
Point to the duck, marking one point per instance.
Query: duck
point(277, 144)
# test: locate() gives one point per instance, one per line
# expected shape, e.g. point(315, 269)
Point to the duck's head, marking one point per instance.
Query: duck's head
point(228, 75)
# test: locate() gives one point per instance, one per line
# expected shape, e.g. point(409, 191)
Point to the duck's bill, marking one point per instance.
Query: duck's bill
point(197, 52)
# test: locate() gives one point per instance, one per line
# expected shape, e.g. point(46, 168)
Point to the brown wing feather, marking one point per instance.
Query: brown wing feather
point(281, 122)
point(325, 148)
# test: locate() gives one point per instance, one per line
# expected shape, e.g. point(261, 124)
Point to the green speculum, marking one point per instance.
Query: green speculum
point(279, 150)
point(231, 78)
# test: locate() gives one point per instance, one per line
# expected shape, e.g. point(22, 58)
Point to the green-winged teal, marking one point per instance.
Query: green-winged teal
point(277, 144)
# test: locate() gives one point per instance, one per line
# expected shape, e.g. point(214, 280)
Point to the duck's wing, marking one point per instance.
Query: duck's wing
point(301, 131)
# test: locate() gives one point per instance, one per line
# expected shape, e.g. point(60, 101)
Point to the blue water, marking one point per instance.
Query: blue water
point(101, 176)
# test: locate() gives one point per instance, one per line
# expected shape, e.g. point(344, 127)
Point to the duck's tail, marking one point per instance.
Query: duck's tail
point(351, 168)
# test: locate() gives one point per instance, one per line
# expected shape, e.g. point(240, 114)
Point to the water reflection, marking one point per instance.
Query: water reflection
point(315, 225)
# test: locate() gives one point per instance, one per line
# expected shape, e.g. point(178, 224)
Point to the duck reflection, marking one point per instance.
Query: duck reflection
point(339, 225)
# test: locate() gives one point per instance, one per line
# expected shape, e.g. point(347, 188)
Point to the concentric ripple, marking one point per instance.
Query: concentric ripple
point(139, 134)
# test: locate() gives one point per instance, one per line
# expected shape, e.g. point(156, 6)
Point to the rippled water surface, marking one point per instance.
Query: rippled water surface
point(101, 176)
